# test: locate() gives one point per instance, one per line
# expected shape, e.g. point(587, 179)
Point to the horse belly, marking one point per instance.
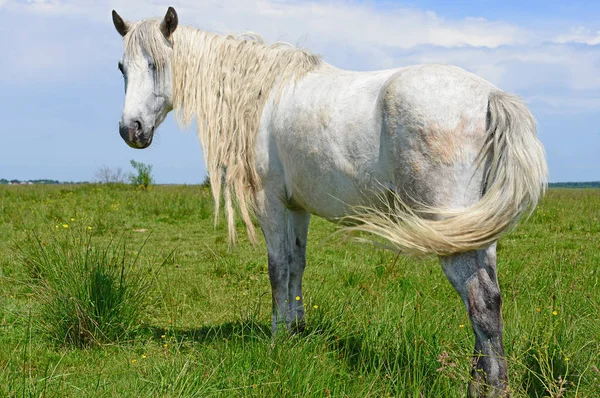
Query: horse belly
point(325, 186)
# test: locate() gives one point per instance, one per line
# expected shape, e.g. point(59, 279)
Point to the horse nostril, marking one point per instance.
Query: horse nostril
point(137, 125)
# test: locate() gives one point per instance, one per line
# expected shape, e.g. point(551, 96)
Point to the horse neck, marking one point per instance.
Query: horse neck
point(204, 58)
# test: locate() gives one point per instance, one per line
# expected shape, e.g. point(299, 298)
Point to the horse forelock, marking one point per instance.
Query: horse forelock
point(144, 39)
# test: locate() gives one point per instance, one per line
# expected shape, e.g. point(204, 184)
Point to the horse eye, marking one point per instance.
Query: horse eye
point(151, 65)
point(121, 68)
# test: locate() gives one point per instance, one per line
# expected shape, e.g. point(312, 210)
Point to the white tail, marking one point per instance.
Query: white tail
point(515, 177)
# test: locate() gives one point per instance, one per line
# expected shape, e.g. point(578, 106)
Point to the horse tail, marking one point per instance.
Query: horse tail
point(515, 177)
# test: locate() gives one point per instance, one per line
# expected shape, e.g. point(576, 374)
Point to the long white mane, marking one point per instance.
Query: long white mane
point(223, 82)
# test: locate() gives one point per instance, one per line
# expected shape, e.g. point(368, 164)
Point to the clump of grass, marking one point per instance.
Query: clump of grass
point(89, 296)
point(547, 369)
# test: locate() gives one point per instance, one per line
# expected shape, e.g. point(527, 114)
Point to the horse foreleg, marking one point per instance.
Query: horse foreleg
point(273, 219)
point(473, 275)
point(298, 221)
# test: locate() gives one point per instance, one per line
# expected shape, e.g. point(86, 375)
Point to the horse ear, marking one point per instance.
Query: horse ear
point(169, 23)
point(121, 26)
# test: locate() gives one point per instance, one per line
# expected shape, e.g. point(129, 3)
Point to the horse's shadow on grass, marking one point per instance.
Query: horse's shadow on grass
point(231, 331)
point(353, 349)
point(359, 353)
point(362, 353)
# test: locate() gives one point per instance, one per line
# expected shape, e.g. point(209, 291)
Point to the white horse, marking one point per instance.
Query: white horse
point(433, 158)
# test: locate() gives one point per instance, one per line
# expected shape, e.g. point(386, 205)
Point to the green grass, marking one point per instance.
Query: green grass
point(89, 296)
point(380, 327)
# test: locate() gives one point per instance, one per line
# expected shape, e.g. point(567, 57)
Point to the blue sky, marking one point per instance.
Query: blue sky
point(61, 92)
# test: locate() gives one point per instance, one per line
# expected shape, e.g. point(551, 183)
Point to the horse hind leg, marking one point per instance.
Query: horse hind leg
point(473, 275)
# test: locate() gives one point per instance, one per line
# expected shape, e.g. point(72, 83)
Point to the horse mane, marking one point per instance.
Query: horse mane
point(224, 82)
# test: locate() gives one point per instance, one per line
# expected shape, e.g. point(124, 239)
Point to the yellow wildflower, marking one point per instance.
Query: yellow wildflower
point(144, 356)
point(133, 361)
point(555, 313)
point(65, 225)
point(72, 219)
point(297, 298)
point(461, 326)
point(315, 306)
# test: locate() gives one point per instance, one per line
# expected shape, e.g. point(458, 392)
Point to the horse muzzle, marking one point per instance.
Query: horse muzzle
point(135, 135)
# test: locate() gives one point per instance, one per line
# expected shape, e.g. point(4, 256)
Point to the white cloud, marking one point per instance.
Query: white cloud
point(568, 104)
point(525, 68)
point(338, 20)
point(580, 35)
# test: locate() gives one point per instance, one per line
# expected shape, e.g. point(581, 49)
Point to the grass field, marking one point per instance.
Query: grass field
point(376, 325)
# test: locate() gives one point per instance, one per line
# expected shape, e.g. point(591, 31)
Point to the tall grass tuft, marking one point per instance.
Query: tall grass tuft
point(89, 296)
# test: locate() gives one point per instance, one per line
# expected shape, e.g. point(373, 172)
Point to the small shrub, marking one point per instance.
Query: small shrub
point(143, 179)
point(106, 175)
point(89, 296)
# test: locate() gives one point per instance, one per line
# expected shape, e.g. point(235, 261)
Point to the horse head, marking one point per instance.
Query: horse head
point(146, 69)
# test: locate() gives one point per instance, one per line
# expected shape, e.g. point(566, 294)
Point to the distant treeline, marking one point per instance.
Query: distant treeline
point(43, 181)
point(592, 184)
